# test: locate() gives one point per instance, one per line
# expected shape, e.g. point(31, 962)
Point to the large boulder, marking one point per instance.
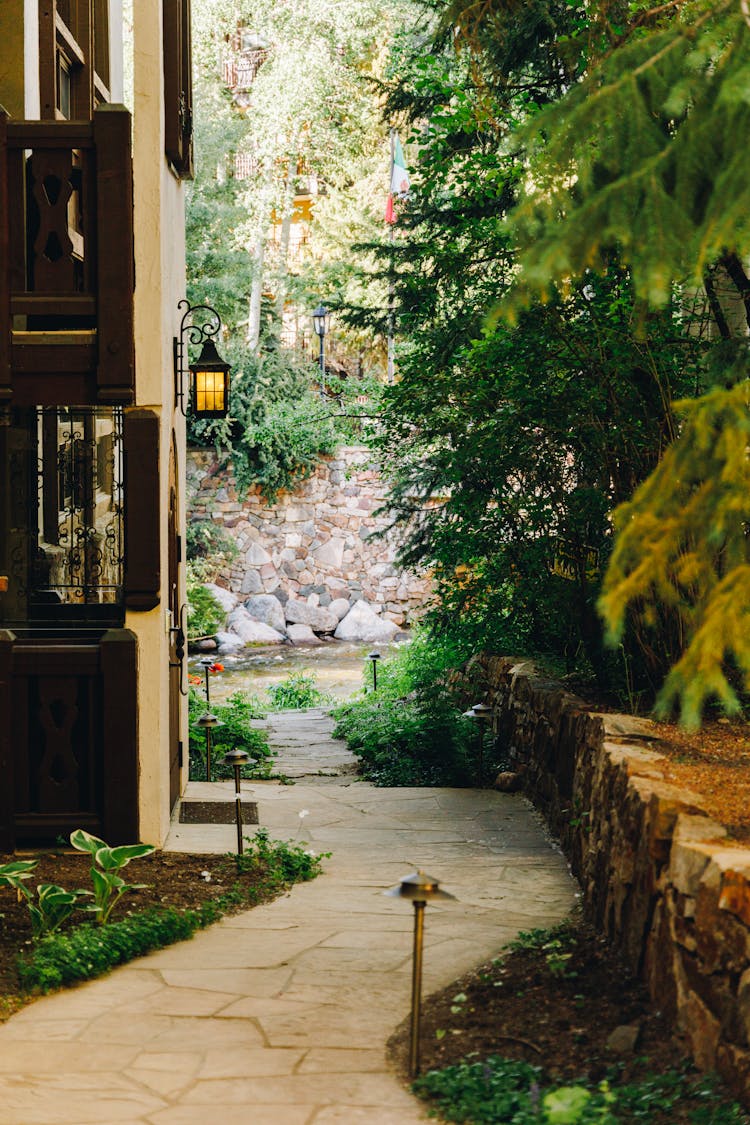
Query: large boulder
point(302, 635)
point(267, 608)
point(320, 619)
point(226, 599)
point(229, 643)
point(363, 624)
point(250, 631)
point(340, 607)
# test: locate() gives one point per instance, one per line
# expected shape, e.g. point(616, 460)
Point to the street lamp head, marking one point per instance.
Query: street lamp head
point(208, 720)
point(209, 378)
point(418, 887)
point(374, 655)
point(320, 318)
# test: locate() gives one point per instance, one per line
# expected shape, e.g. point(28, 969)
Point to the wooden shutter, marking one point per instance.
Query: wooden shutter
point(178, 87)
point(142, 522)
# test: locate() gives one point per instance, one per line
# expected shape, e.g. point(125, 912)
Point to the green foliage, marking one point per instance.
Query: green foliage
point(411, 731)
point(15, 873)
point(208, 548)
point(296, 692)
point(500, 1090)
point(109, 886)
point(682, 543)
point(284, 863)
point(236, 716)
point(204, 616)
point(53, 906)
point(86, 951)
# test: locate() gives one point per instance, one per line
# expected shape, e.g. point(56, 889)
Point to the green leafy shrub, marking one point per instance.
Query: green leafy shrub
point(237, 731)
point(204, 616)
point(296, 692)
point(411, 731)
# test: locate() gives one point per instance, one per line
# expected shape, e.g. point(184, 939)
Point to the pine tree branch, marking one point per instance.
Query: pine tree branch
point(715, 305)
point(737, 275)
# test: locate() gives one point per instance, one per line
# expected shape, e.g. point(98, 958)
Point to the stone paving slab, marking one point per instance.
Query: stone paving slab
point(279, 1016)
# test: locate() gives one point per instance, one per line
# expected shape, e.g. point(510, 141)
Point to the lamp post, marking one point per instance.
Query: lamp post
point(320, 319)
point(207, 723)
point(208, 385)
point(374, 657)
point(420, 889)
point(238, 758)
point(206, 664)
point(481, 714)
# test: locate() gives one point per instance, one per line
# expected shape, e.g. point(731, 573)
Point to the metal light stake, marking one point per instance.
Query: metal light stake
point(374, 657)
point(420, 889)
point(207, 664)
point(481, 714)
point(207, 723)
point(238, 758)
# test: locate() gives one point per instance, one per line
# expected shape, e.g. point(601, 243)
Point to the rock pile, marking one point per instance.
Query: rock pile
point(263, 619)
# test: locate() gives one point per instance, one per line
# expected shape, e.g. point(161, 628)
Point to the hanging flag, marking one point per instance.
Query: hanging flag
point(400, 183)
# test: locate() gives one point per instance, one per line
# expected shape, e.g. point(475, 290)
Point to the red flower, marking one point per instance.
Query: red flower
point(195, 680)
point(216, 667)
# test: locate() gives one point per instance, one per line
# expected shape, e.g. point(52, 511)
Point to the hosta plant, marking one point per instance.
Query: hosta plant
point(109, 886)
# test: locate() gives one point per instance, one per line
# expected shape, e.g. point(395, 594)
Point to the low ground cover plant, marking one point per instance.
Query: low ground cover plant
point(411, 731)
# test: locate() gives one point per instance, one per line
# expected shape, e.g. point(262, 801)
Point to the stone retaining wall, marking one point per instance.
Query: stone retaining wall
point(658, 875)
point(317, 543)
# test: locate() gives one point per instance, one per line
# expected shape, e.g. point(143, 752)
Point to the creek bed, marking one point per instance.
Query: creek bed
point(337, 666)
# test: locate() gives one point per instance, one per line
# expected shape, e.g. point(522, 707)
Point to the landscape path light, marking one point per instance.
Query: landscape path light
point(374, 657)
point(481, 714)
point(207, 723)
point(420, 889)
point(237, 758)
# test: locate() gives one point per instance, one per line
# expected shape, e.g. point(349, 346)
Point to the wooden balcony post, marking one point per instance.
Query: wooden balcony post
point(7, 829)
point(6, 380)
point(115, 375)
point(119, 685)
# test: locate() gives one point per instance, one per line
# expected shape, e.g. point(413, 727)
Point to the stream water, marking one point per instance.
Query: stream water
point(338, 668)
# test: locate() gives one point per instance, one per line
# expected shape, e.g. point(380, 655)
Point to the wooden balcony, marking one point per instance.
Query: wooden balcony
point(66, 261)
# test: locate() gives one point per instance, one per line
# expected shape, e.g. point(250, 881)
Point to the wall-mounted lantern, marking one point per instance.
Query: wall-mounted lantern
point(208, 389)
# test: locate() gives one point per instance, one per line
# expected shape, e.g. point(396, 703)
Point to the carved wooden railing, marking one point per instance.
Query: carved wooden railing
point(66, 261)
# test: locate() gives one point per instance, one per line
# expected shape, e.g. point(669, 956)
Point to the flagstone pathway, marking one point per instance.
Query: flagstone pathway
point(279, 1016)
